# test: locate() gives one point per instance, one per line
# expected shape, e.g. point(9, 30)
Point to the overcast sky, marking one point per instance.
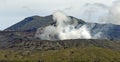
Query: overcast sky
point(13, 11)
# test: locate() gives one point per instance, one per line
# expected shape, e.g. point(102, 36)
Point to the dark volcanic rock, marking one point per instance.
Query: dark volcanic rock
point(26, 40)
point(31, 23)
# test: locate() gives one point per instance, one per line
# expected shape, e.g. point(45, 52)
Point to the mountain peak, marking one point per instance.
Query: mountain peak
point(29, 23)
point(34, 22)
point(33, 17)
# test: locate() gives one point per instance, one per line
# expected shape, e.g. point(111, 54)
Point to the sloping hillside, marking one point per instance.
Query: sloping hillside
point(74, 54)
point(31, 23)
point(26, 40)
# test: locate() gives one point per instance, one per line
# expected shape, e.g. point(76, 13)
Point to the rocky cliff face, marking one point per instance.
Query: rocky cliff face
point(16, 41)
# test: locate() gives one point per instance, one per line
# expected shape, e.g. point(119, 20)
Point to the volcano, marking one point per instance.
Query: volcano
point(60, 27)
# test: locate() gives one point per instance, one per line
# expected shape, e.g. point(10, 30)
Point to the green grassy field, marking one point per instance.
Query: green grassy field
point(80, 54)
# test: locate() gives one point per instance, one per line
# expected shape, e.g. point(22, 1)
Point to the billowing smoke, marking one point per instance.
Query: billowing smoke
point(65, 28)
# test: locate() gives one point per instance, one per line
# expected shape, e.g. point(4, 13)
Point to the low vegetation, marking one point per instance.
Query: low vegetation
point(82, 54)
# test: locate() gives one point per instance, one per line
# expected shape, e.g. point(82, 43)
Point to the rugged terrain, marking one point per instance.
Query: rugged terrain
point(33, 23)
point(26, 40)
point(16, 46)
point(19, 44)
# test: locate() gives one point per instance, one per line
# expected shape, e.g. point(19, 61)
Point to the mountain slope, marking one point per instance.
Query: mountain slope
point(37, 23)
point(31, 23)
point(25, 40)
point(15, 47)
point(34, 22)
point(104, 31)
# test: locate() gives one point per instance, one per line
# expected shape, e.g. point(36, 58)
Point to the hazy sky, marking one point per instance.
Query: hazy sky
point(13, 11)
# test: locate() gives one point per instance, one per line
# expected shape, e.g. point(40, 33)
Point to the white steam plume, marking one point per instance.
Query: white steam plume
point(65, 29)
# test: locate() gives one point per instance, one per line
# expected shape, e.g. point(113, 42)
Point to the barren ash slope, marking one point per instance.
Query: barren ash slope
point(63, 37)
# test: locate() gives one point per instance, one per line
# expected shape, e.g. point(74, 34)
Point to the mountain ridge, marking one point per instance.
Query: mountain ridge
point(33, 23)
point(29, 23)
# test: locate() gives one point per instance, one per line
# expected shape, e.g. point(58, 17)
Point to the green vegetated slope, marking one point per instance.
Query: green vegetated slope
point(73, 54)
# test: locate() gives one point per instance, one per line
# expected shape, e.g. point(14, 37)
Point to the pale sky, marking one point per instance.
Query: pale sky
point(13, 11)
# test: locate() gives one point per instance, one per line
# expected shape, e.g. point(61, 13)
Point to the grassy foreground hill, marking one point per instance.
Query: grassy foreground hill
point(62, 51)
point(82, 54)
